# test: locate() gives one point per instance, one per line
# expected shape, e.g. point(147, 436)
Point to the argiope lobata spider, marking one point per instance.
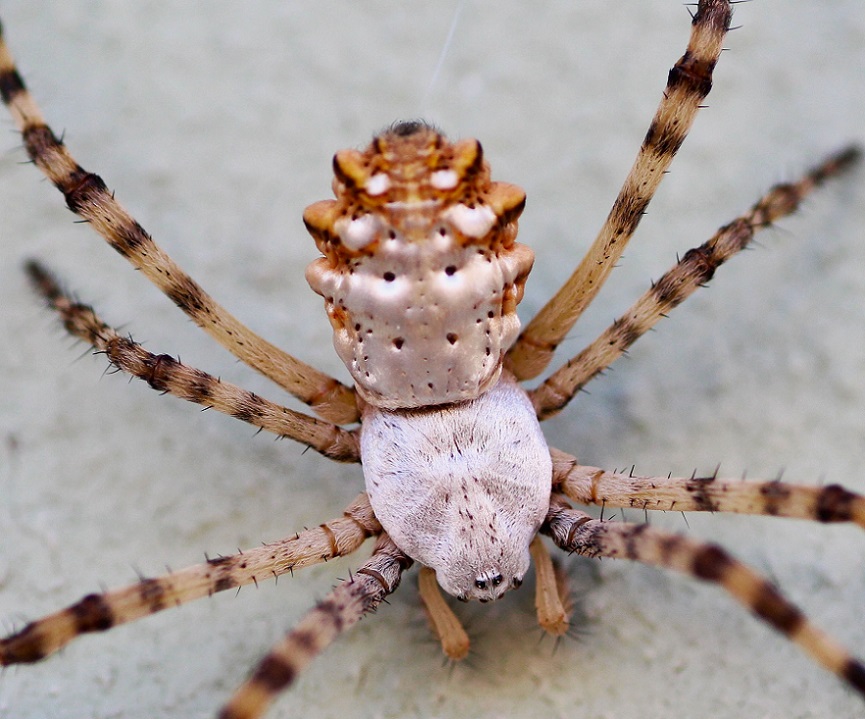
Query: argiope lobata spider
point(501, 174)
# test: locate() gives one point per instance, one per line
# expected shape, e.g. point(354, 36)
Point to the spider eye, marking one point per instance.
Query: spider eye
point(481, 583)
point(497, 580)
point(517, 582)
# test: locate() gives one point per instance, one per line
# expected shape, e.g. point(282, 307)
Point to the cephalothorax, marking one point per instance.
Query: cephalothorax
point(462, 488)
point(421, 275)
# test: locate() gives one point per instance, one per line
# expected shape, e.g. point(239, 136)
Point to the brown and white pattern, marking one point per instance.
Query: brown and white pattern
point(696, 242)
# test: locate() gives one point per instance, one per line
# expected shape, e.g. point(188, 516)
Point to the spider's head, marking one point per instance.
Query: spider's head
point(485, 552)
point(462, 489)
point(485, 583)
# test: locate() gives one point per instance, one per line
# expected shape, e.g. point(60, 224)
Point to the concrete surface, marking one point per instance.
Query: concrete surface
point(215, 123)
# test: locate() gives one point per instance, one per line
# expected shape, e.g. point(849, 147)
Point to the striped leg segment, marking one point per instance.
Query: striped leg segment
point(575, 531)
point(694, 270)
point(99, 612)
point(340, 610)
point(591, 485)
point(166, 374)
point(687, 86)
point(89, 198)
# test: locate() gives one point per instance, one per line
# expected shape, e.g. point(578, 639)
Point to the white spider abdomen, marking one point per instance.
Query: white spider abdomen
point(462, 489)
point(421, 275)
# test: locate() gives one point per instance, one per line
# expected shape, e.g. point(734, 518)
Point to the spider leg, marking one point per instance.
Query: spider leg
point(692, 271)
point(549, 603)
point(576, 531)
point(591, 485)
point(444, 623)
point(99, 612)
point(166, 374)
point(341, 609)
point(687, 86)
point(88, 197)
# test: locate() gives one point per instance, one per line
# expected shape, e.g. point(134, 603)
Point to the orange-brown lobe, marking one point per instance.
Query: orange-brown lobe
point(416, 160)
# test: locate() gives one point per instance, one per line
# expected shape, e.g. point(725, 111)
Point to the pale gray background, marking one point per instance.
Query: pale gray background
point(215, 122)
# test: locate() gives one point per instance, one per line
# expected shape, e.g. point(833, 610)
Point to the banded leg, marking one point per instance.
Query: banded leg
point(688, 84)
point(340, 610)
point(576, 531)
point(694, 270)
point(99, 612)
point(88, 197)
point(591, 485)
point(166, 374)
